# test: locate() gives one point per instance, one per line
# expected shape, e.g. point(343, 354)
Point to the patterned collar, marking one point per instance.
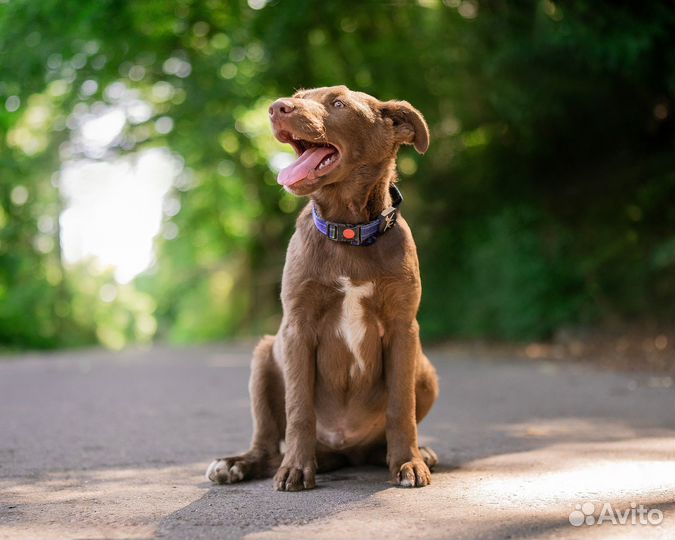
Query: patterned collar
point(363, 234)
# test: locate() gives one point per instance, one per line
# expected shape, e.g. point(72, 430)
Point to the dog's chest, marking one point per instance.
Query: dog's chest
point(352, 322)
point(356, 322)
point(349, 366)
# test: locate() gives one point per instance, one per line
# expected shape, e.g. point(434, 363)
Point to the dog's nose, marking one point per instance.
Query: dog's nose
point(281, 107)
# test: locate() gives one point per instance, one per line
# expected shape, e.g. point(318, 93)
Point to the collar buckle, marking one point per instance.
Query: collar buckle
point(388, 219)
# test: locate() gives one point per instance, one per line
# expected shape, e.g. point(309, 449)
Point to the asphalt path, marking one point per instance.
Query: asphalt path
point(96, 444)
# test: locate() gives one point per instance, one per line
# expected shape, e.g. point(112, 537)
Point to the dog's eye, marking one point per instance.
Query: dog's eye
point(338, 104)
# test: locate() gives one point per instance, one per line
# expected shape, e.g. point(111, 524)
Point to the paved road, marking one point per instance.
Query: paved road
point(103, 445)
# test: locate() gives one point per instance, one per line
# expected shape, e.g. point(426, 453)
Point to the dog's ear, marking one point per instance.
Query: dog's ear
point(408, 124)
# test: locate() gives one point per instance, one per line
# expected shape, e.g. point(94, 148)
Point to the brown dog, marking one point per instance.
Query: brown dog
point(345, 380)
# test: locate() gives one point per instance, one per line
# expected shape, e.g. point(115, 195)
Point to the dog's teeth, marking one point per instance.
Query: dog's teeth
point(326, 161)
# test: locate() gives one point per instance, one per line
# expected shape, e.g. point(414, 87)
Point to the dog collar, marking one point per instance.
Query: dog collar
point(363, 234)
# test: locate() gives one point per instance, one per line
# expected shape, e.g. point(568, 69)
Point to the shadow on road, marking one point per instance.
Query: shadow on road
point(232, 511)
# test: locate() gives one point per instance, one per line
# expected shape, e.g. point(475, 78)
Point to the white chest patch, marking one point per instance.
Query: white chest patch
point(352, 326)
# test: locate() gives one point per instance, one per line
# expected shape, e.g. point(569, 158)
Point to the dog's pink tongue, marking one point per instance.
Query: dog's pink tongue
point(301, 167)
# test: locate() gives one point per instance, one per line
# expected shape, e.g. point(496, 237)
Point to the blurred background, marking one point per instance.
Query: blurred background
point(138, 195)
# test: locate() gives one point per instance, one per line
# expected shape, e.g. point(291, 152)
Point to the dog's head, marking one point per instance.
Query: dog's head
point(339, 134)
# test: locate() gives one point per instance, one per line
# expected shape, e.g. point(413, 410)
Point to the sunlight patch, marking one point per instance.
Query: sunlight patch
point(114, 210)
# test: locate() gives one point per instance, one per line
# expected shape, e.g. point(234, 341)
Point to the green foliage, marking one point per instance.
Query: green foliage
point(511, 281)
point(544, 201)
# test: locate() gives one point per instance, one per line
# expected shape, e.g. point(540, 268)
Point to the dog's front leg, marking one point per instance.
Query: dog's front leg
point(403, 455)
point(298, 468)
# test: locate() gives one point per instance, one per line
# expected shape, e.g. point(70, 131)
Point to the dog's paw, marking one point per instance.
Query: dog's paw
point(429, 456)
point(229, 470)
point(295, 478)
point(414, 473)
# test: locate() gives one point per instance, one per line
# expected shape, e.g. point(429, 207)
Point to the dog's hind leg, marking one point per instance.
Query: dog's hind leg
point(426, 387)
point(426, 392)
point(266, 387)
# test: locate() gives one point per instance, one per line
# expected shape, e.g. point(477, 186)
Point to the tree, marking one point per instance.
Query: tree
point(544, 201)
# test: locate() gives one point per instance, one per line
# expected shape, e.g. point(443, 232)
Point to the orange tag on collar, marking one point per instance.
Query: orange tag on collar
point(348, 234)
